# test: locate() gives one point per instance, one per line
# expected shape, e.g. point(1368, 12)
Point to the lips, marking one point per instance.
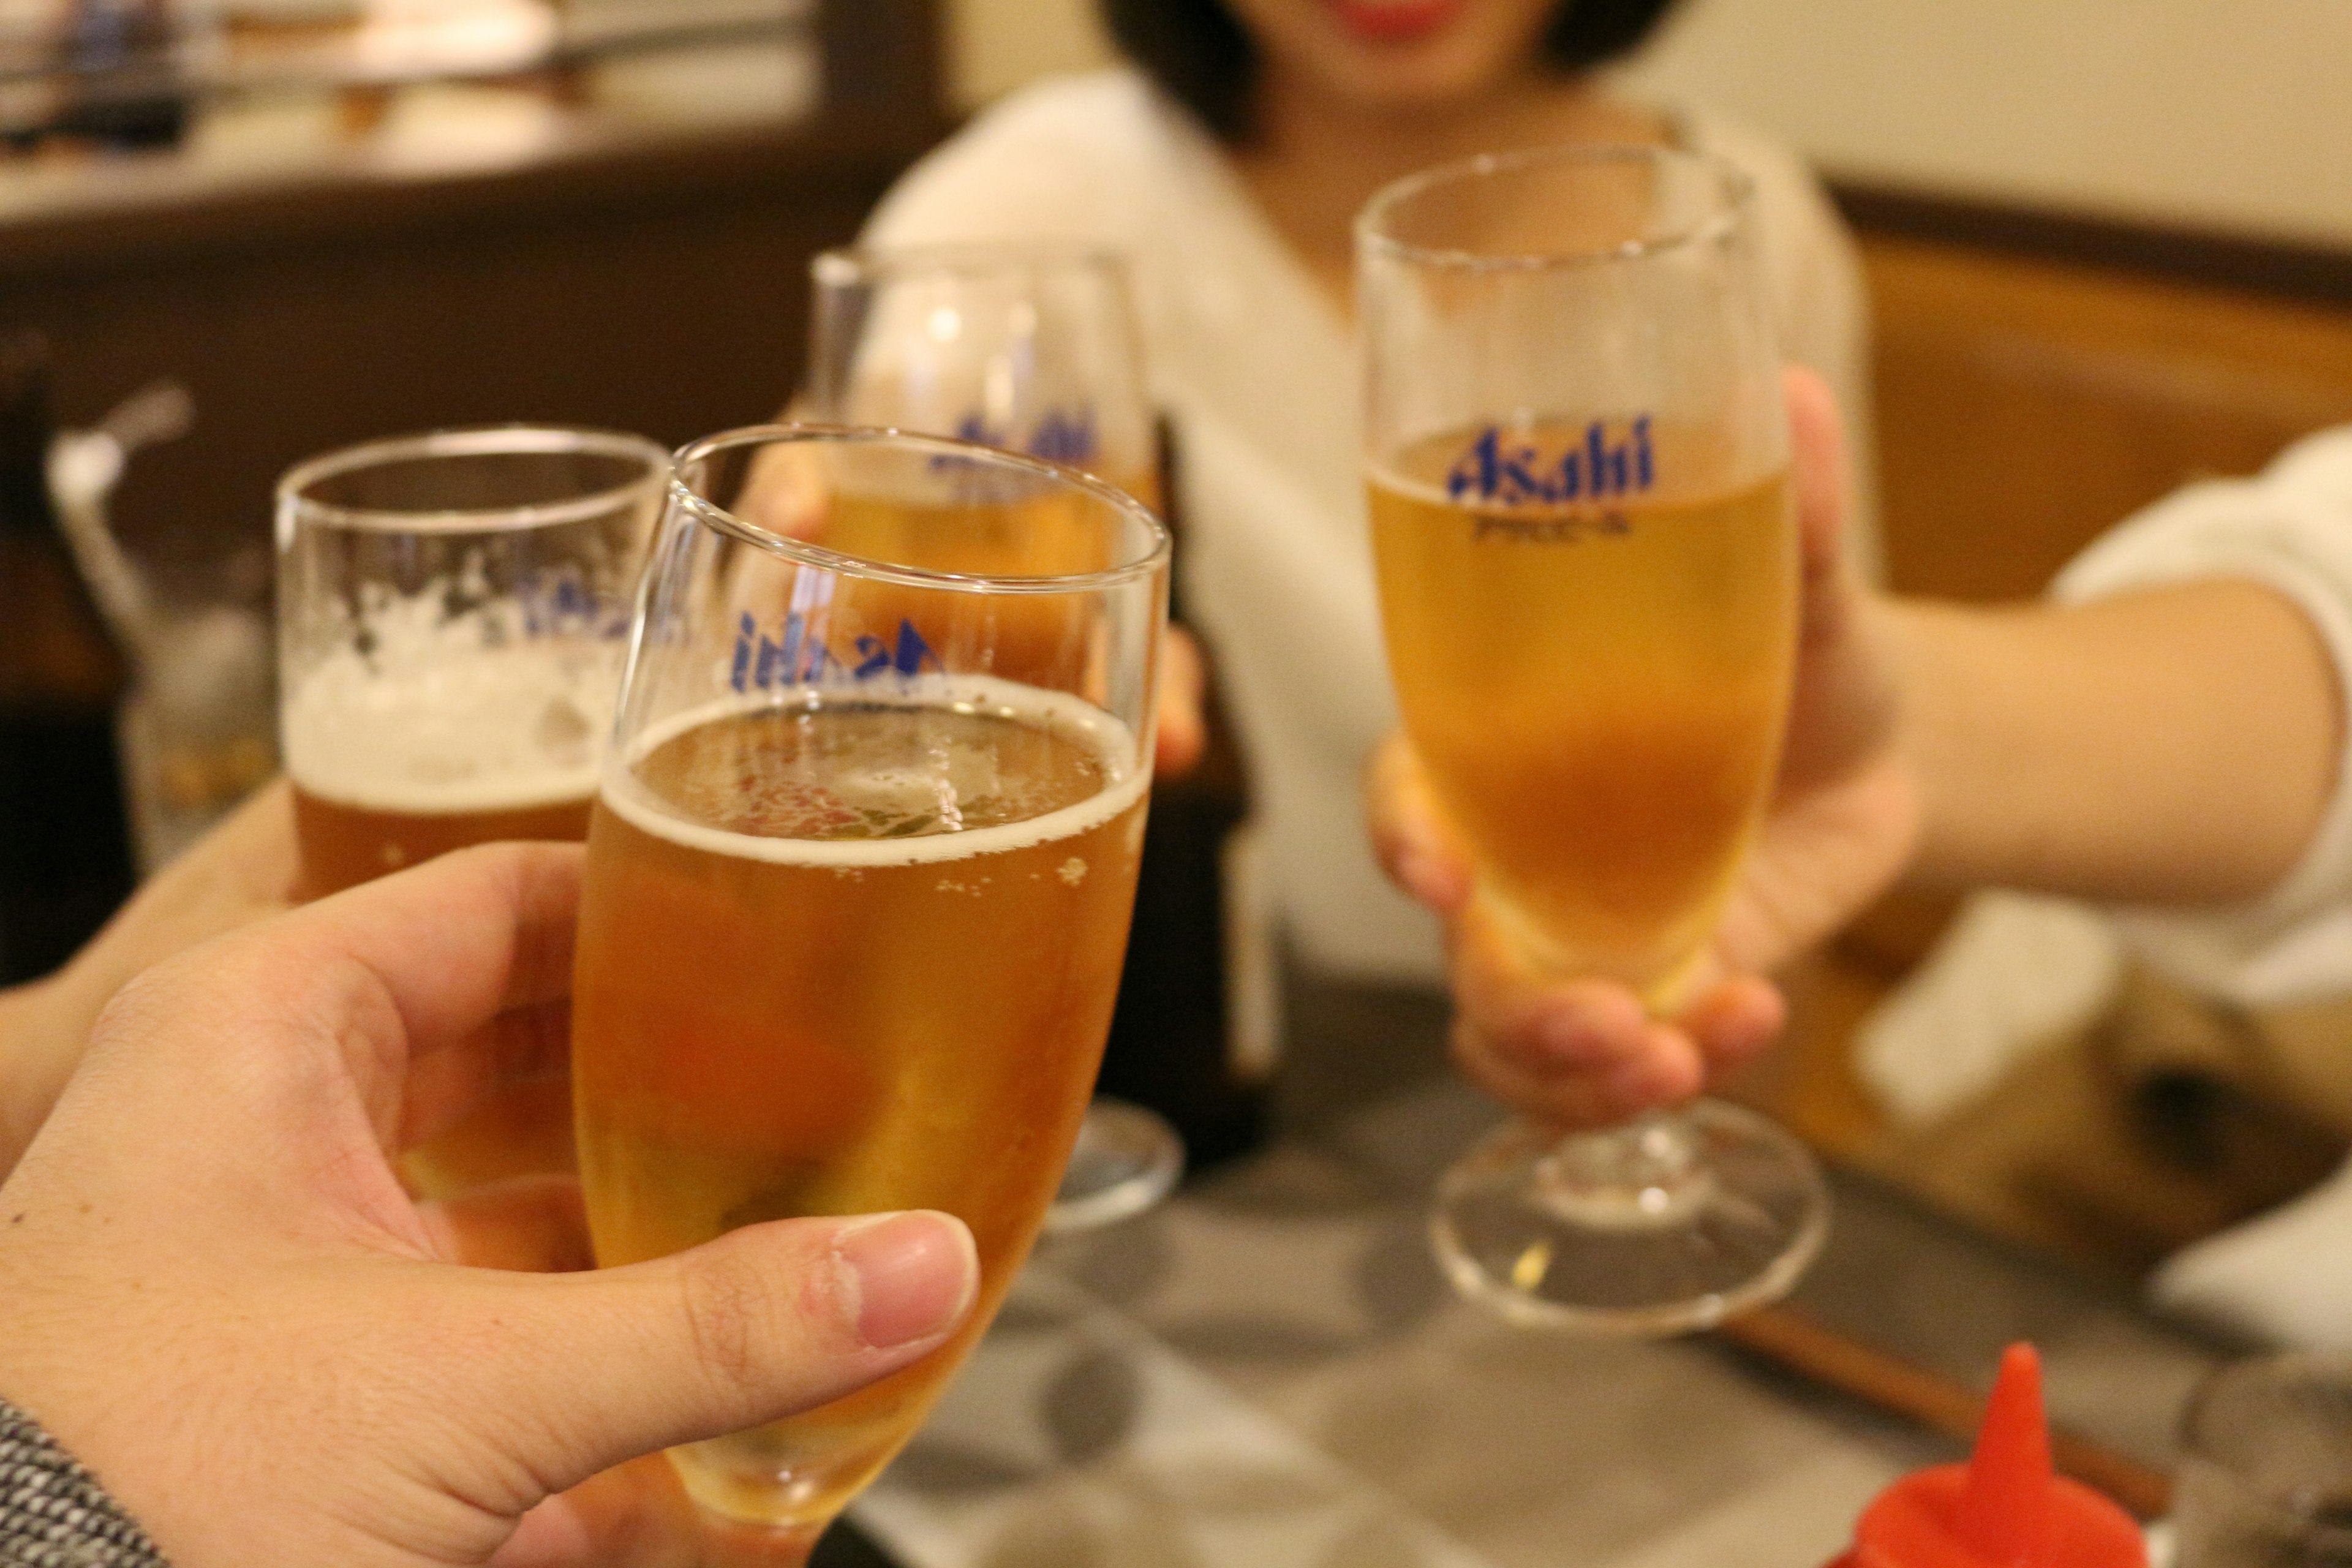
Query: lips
point(1394, 21)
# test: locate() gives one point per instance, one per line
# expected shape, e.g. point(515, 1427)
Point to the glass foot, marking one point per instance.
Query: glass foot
point(1671, 1223)
point(1128, 1159)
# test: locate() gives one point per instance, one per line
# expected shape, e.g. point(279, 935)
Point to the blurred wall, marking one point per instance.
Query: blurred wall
point(2228, 113)
point(994, 46)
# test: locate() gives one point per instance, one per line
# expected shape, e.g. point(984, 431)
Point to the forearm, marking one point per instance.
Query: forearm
point(2179, 745)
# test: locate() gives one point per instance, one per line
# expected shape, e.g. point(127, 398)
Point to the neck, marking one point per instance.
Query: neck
point(1316, 159)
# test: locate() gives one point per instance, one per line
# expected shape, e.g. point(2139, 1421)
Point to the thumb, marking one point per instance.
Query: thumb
point(593, 1368)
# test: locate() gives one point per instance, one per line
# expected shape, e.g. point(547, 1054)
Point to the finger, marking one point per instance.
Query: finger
point(789, 491)
point(470, 948)
point(287, 1026)
point(1183, 729)
point(450, 1079)
point(1410, 837)
point(1662, 1070)
point(1735, 1022)
point(635, 1515)
point(765, 1321)
point(1817, 440)
point(532, 1224)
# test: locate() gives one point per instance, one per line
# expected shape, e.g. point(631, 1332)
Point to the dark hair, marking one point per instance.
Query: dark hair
point(1200, 57)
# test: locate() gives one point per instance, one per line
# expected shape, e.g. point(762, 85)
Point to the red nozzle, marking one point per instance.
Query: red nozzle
point(2003, 1508)
point(2003, 1511)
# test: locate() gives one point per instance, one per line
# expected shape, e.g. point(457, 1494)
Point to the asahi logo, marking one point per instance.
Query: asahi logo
point(801, 655)
point(1612, 461)
point(1060, 436)
point(557, 602)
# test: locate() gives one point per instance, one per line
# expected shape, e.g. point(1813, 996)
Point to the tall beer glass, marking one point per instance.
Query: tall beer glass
point(452, 610)
point(1035, 349)
point(1577, 469)
point(856, 900)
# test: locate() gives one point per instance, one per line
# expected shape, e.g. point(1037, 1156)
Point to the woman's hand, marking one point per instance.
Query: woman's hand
point(215, 1294)
point(1841, 824)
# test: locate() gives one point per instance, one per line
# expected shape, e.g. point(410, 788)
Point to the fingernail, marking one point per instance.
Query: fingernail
point(905, 1277)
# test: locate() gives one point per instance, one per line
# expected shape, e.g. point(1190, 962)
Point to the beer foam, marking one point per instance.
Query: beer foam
point(456, 728)
point(1066, 716)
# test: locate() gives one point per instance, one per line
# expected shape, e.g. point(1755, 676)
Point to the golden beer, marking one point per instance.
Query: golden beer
point(1595, 687)
point(840, 956)
point(345, 843)
point(479, 746)
point(1042, 639)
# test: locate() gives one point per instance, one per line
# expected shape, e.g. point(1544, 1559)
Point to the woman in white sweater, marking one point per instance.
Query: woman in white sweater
point(1228, 162)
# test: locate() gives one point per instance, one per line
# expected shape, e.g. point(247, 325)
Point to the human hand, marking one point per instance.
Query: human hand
point(241, 870)
point(214, 1293)
point(1841, 824)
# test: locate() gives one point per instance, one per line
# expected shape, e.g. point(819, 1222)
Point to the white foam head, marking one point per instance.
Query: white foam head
point(1072, 718)
point(455, 728)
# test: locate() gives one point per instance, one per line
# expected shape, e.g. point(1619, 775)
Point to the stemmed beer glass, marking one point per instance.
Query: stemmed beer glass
point(1035, 349)
point(1578, 471)
point(859, 877)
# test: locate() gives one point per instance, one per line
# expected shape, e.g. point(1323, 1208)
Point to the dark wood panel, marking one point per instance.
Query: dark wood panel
point(2279, 268)
point(671, 309)
point(2026, 405)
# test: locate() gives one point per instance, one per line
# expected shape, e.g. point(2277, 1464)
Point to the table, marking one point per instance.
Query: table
point(1269, 1371)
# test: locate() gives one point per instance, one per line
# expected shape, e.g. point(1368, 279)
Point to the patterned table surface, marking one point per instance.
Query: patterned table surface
point(1270, 1372)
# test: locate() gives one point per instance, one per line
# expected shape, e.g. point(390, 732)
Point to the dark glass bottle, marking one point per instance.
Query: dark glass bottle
point(1194, 1036)
point(64, 857)
point(126, 86)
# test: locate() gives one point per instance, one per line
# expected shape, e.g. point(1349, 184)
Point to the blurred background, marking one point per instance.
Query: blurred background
point(2109, 245)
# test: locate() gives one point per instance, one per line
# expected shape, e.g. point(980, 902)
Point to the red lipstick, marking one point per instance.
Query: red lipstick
point(1394, 21)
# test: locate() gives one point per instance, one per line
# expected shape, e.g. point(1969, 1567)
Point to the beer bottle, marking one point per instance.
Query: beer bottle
point(64, 858)
point(129, 88)
point(1195, 1035)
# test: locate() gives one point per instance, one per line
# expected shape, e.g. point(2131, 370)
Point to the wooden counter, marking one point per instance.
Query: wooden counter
point(617, 273)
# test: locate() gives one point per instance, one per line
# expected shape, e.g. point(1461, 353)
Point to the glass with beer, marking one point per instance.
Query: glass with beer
point(1581, 520)
point(1034, 348)
point(858, 897)
point(452, 609)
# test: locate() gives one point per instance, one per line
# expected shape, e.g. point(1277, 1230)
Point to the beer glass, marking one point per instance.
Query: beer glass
point(1577, 474)
point(2265, 1473)
point(452, 610)
point(1031, 348)
point(856, 898)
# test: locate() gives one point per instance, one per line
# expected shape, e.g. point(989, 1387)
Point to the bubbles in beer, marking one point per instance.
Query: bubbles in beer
point(862, 781)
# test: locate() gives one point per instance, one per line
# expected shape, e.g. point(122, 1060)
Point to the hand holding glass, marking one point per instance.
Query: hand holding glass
point(1589, 580)
point(859, 888)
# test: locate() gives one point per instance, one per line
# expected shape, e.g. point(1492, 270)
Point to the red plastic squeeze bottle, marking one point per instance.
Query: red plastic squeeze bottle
point(2003, 1508)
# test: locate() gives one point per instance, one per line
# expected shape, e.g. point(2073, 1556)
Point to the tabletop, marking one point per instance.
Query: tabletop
point(1269, 1370)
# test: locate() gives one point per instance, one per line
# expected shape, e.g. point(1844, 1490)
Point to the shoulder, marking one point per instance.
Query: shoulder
point(1792, 204)
point(1059, 159)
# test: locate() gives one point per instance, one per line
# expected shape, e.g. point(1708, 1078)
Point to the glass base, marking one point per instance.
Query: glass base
point(1127, 1160)
point(1670, 1223)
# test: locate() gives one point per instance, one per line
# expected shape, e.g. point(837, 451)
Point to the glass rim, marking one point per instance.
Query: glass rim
point(2253, 1376)
point(473, 441)
point(1739, 197)
point(809, 554)
point(963, 258)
